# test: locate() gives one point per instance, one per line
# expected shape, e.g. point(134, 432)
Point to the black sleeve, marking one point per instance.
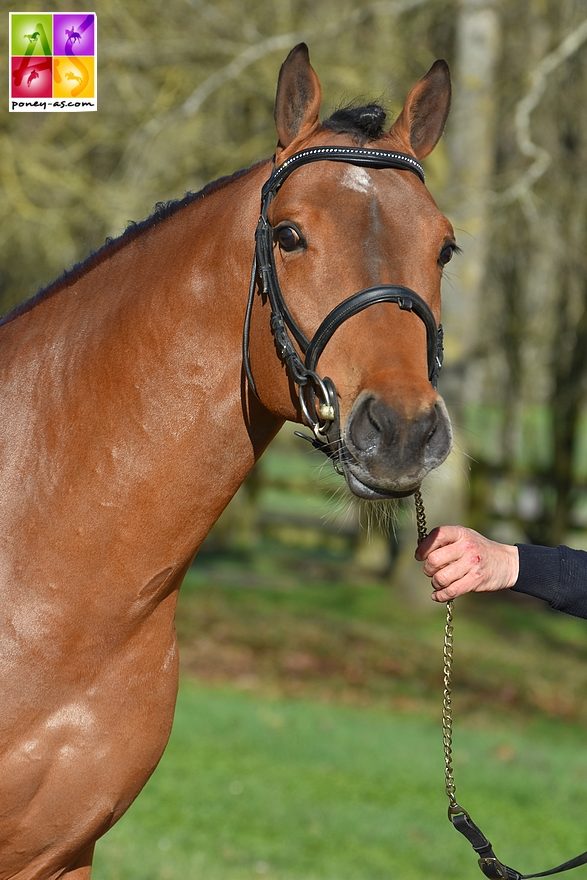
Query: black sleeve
point(556, 574)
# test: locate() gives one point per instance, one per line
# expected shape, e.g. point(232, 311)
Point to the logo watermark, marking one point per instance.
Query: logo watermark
point(53, 59)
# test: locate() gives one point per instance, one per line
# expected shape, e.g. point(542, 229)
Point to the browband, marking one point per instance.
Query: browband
point(354, 155)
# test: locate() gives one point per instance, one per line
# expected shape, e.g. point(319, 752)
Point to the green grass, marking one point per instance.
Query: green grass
point(256, 786)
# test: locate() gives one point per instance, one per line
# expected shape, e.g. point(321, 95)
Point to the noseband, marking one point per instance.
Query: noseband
point(317, 395)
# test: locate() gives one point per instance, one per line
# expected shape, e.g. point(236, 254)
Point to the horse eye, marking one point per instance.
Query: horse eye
point(288, 238)
point(446, 254)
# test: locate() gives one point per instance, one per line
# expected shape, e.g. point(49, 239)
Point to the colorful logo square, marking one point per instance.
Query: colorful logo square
point(32, 77)
point(53, 60)
point(74, 34)
point(31, 33)
point(73, 77)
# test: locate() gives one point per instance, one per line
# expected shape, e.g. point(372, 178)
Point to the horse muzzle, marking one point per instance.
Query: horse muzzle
point(385, 454)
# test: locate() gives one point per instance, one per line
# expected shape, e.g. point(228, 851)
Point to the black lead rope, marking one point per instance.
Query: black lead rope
point(490, 865)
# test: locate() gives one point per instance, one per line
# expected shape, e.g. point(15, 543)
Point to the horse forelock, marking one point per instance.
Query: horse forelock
point(364, 123)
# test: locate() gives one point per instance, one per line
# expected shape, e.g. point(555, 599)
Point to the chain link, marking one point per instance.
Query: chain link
point(420, 516)
point(447, 656)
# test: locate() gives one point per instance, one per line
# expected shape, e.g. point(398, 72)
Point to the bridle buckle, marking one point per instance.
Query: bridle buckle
point(318, 404)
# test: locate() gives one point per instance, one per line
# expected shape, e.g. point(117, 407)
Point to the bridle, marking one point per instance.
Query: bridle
point(317, 394)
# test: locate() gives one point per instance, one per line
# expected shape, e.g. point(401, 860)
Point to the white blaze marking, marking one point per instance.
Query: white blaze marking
point(357, 178)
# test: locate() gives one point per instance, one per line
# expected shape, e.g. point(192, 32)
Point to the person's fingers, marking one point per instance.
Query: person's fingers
point(446, 575)
point(453, 590)
point(447, 554)
point(446, 595)
point(438, 537)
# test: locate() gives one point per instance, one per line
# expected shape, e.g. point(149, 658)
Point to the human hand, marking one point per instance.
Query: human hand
point(459, 560)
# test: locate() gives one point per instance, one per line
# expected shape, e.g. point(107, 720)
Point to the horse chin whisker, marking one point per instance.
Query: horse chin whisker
point(342, 507)
point(378, 517)
point(372, 517)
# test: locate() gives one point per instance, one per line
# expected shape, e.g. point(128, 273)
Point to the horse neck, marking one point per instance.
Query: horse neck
point(142, 417)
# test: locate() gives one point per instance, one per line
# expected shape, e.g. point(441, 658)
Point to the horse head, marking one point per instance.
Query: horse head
point(349, 269)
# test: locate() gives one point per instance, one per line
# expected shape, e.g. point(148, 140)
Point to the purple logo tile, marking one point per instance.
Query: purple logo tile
point(73, 34)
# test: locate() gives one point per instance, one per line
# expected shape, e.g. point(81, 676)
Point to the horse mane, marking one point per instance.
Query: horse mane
point(364, 123)
point(162, 211)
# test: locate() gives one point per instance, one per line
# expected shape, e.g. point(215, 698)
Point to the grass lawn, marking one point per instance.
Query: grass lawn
point(259, 786)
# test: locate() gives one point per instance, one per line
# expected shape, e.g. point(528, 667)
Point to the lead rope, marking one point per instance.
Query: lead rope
point(490, 865)
point(447, 662)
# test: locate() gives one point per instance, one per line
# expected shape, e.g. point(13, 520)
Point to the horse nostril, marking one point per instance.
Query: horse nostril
point(371, 415)
point(372, 425)
point(439, 435)
point(376, 428)
point(434, 420)
point(424, 431)
point(363, 427)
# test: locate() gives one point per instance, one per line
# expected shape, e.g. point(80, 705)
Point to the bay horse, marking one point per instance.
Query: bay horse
point(132, 412)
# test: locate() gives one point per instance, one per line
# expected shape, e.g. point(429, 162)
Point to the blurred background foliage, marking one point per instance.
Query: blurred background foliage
point(186, 95)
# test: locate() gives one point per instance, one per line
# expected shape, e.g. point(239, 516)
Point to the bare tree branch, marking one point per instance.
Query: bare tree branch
point(541, 159)
point(231, 71)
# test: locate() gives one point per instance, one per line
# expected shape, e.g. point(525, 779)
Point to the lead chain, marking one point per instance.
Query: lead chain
point(447, 656)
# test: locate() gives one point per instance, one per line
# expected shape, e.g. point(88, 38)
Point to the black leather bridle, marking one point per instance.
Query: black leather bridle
point(317, 395)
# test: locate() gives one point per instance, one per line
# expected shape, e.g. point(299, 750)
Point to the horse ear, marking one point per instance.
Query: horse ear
point(297, 102)
point(422, 119)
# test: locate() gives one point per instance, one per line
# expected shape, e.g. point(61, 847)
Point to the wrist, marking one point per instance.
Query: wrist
point(513, 565)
